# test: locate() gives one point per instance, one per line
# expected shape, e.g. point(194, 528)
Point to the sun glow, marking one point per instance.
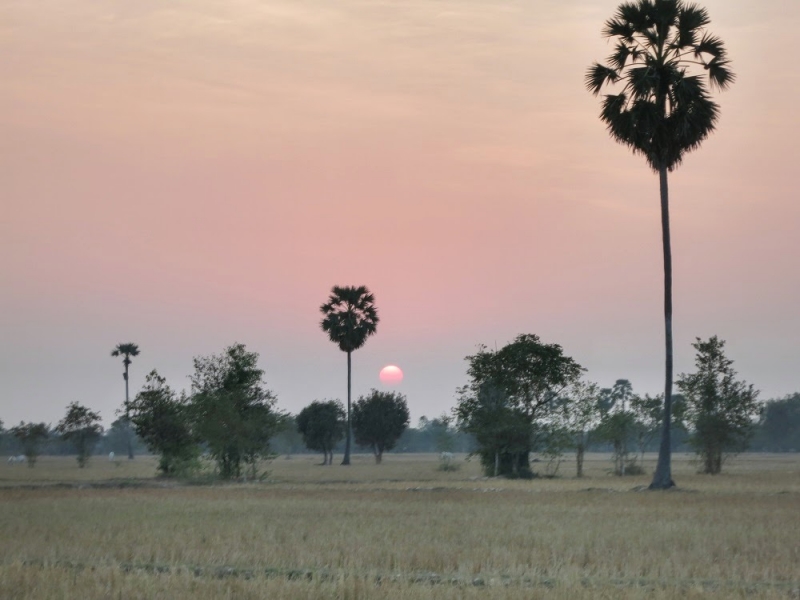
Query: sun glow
point(391, 375)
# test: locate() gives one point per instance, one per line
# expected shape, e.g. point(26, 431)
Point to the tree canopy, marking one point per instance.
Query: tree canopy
point(720, 411)
point(81, 427)
point(509, 390)
point(162, 420)
point(233, 412)
point(379, 419)
point(30, 436)
point(322, 425)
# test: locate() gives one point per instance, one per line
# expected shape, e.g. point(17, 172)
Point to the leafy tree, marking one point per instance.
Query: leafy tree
point(510, 390)
point(647, 411)
point(780, 424)
point(127, 350)
point(30, 436)
point(350, 317)
point(82, 429)
point(379, 420)
point(322, 425)
point(662, 112)
point(579, 413)
point(719, 410)
point(502, 432)
point(232, 411)
point(617, 422)
point(163, 421)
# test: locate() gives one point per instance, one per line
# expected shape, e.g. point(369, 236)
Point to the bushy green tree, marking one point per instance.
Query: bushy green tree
point(163, 421)
point(81, 427)
point(30, 436)
point(663, 110)
point(349, 318)
point(509, 397)
point(720, 411)
point(500, 429)
point(322, 426)
point(232, 411)
point(379, 419)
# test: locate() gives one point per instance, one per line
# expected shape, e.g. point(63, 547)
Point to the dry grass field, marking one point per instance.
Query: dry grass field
point(402, 529)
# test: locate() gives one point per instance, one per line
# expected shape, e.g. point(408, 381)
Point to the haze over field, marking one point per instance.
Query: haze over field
point(188, 175)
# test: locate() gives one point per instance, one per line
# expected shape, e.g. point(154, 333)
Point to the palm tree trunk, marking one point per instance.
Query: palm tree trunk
point(127, 417)
point(346, 459)
point(662, 478)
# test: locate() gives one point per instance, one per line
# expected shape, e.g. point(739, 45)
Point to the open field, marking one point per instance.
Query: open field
point(402, 529)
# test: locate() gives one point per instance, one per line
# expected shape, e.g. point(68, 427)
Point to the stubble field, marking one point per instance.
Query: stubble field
point(402, 529)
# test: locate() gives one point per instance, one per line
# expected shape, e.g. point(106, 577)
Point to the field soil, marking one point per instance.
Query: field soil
point(402, 529)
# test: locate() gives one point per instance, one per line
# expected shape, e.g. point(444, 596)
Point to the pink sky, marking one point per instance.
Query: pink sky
point(190, 174)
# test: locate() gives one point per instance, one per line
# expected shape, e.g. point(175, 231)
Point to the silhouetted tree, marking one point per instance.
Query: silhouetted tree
point(719, 410)
point(80, 427)
point(662, 112)
point(126, 351)
point(233, 413)
point(163, 421)
point(509, 390)
point(322, 425)
point(379, 420)
point(31, 436)
point(350, 317)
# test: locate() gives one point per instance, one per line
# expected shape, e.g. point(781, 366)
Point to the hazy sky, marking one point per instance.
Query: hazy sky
point(194, 173)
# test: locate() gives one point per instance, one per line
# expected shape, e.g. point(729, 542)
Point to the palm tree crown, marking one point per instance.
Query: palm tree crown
point(127, 350)
point(663, 111)
point(350, 317)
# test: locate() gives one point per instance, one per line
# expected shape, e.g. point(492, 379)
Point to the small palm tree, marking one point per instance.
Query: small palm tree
point(350, 317)
point(662, 112)
point(126, 351)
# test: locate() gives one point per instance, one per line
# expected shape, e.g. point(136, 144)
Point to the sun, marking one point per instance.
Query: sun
point(391, 375)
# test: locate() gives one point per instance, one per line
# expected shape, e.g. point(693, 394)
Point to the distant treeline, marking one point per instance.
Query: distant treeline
point(778, 430)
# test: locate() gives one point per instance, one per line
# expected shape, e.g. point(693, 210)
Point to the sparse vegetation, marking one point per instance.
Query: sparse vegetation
point(401, 530)
point(80, 427)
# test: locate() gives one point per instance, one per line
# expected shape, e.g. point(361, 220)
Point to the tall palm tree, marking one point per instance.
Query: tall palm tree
point(126, 351)
point(350, 317)
point(663, 110)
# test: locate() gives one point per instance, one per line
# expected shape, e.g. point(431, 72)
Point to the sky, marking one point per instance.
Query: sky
point(190, 174)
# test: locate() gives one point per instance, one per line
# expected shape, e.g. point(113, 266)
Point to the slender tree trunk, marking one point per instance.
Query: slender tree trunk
point(128, 435)
point(579, 460)
point(496, 463)
point(662, 478)
point(346, 459)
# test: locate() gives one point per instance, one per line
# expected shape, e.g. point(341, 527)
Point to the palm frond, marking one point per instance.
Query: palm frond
point(619, 28)
point(597, 75)
point(710, 44)
point(692, 17)
point(663, 111)
point(719, 74)
point(349, 316)
point(638, 15)
point(620, 56)
point(642, 81)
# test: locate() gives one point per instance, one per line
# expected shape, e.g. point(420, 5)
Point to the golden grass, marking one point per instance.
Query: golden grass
point(400, 530)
